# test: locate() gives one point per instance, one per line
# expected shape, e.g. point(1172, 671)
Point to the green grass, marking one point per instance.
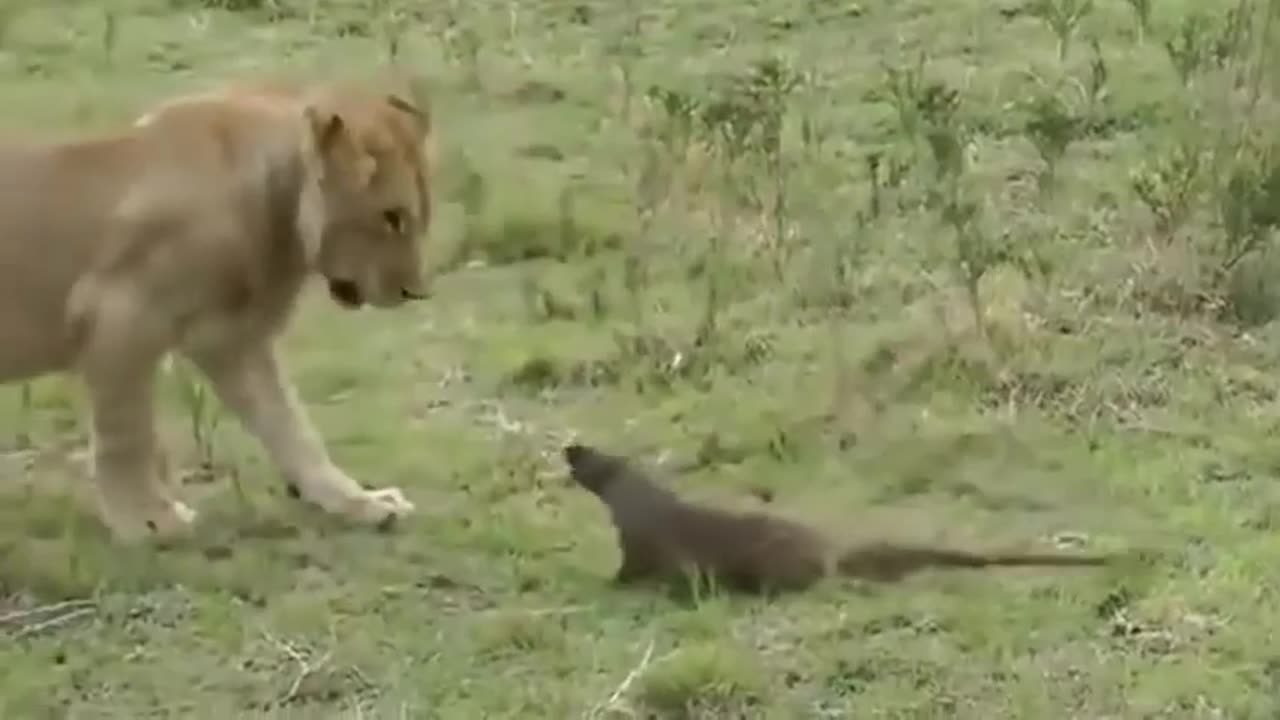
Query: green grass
point(597, 277)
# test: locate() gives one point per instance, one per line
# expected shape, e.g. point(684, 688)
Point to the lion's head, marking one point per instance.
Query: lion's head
point(370, 157)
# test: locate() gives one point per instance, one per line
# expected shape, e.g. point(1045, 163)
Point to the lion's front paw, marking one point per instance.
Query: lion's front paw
point(381, 508)
point(338, 494)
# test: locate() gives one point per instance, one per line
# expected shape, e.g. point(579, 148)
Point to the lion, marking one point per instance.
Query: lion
point(192, 232)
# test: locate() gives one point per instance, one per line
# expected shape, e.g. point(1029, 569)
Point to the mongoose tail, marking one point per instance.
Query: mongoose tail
point(891, 561)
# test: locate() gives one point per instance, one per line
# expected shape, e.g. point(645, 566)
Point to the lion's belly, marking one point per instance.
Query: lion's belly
point(29, 349)
point(33, 332)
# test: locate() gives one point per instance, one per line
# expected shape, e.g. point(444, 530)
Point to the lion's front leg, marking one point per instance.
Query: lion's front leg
point(251, 384)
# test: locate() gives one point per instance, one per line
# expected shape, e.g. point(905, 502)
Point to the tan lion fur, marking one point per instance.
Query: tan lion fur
point(192, 232)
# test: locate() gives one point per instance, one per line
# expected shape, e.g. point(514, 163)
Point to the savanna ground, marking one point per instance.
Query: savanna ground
point(749, 242)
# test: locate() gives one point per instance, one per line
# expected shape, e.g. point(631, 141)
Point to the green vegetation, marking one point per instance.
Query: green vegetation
point(982, 272)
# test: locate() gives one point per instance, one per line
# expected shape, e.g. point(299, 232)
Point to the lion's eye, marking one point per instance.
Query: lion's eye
point(395, 219)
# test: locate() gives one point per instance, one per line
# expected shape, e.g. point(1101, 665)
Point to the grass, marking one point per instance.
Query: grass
point(968, 271)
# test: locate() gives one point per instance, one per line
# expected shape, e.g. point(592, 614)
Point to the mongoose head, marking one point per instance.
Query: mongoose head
point(591, 468)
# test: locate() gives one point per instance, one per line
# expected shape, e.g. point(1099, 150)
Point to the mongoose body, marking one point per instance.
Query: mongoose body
point(665, 538)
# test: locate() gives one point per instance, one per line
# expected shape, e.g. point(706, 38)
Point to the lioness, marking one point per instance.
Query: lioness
point(192, 232)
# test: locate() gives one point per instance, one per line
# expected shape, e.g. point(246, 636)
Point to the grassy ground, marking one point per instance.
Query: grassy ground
point(613, 263)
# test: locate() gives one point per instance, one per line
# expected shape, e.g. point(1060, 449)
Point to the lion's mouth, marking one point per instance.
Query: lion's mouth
point(346, 293)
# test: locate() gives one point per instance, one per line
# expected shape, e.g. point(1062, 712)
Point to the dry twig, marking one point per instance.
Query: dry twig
point(615, 698)
point(53, 622)
point(306, 668)
point(38, 619)
point(20, 616)
point(536, 612)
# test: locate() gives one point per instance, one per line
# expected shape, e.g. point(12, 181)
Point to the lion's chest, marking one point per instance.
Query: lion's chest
point(239, 310)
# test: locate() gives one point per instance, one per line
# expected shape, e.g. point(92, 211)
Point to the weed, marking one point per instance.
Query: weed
point(944, 135)
point(110, 25)
point(463, 45)
point(1063, 17)
point(1249, 201)
point(1097, 91)
point(1142, 14)
point(1168, 186)
point(906, 87)
point(1052, 126)
point(22, 439)
point(768, 89)
point(702, 681)
point(203, 415)
point(1193, 47)
point(626, 51)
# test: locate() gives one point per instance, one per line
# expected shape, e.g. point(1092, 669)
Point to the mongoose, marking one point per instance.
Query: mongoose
point(665, 538)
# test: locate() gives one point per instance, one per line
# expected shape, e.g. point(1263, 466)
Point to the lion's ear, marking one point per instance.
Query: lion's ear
point(326, 127)
point(408, 92)
point(415, 110)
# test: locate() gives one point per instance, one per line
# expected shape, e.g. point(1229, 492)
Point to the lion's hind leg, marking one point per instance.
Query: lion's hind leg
point(118, 361)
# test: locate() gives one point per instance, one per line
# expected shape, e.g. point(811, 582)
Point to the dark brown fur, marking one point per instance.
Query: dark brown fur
point(665, 538)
